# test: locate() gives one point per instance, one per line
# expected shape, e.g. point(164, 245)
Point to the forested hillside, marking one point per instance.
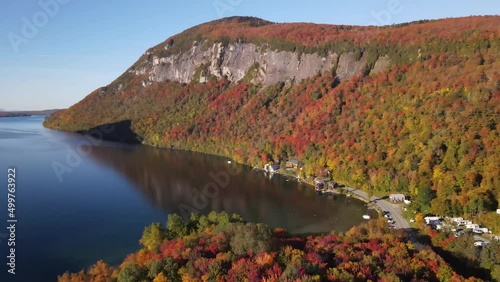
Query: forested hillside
point(427, 124)
point(219, 247)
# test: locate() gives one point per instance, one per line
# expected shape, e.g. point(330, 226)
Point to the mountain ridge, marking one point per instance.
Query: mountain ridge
point(4, 113)
point(253, 34)
point(409, 108)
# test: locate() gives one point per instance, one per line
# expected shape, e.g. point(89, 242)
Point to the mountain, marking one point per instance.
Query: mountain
point(4, 113)
point(411, 108)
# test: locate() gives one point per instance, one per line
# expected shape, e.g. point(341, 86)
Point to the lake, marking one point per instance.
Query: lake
point(77, 204)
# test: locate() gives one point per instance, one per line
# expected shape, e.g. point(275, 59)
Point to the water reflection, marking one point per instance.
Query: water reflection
point(172, 180)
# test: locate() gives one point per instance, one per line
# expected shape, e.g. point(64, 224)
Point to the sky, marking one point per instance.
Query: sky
point(55, 52)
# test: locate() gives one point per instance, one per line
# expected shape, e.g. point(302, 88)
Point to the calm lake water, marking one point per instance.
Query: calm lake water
point(98, 207)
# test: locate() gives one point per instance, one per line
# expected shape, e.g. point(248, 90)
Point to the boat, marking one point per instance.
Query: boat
point(366, 216)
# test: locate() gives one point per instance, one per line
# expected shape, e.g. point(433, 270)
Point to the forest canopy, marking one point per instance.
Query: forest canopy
point(220, 247)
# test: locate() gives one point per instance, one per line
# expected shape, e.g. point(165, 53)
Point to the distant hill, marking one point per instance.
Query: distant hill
point(411, 108)
point(26, 113)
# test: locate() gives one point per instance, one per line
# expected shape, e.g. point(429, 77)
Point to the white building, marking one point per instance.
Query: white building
point(484, 229)
point(397, 197)
point(431, 219)
point(472, 226)
point(272, 168)
point(477, 230)
point(498, 211)
point(460, 221)
point(466, 222)
point(457, 219)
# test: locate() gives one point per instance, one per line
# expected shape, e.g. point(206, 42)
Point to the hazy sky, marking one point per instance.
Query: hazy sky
point(52, 55)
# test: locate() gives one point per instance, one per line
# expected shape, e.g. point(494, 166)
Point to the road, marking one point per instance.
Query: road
point(395, 210)
point(399, 221)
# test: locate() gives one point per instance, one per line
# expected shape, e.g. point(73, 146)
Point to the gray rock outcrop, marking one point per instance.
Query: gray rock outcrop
point(236, 60)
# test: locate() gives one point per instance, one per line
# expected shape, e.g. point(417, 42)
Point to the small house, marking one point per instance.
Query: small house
point(466, 222)
point(331, 184)
point(460, 221)
point(432, 219)
point(472, 226)
point(498, 211)
point(482, 229)
point(274, 168)
point(397, 197)
point(293, 163)
point(271, 168)
point(320, 183)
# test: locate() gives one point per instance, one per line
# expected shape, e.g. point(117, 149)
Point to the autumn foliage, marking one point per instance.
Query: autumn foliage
point(428, 126)
point(216, 248)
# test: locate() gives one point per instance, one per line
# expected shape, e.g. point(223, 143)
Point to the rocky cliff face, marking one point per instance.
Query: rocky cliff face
point(240, 61)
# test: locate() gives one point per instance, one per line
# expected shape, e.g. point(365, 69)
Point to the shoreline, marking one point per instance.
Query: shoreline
point(334, 191)
point(378, 204)
point(337, 191)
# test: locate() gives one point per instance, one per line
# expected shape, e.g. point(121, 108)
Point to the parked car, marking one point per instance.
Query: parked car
point(477, 231)
point(479, 243)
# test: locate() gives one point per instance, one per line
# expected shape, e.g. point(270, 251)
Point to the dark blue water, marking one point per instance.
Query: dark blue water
point(77, 204)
